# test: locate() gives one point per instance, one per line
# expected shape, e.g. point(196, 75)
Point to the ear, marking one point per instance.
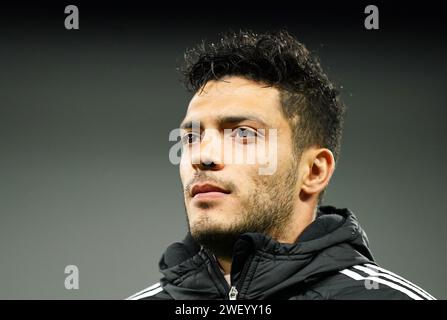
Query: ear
point(317, 167)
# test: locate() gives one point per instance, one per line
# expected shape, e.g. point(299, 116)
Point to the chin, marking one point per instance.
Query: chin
point(208, 225)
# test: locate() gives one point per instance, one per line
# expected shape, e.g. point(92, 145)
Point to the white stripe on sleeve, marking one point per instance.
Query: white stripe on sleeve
point(390, 284)
point(152, 287)
point(374, 273)
point(399, 277)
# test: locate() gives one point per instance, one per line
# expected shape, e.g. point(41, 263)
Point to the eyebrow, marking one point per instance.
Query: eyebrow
point(225, 120)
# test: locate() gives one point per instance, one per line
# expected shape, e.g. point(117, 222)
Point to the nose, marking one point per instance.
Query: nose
point(208, 154)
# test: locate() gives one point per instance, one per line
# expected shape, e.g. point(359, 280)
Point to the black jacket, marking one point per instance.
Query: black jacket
point(330, 260)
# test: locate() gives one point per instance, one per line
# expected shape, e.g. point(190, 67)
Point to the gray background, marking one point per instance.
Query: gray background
point(85, 115)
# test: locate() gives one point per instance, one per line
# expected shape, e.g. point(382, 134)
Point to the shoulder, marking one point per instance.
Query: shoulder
point(369, 282)
point(153, 292)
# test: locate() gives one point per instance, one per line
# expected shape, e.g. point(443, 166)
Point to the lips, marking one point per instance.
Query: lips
point(207, 188)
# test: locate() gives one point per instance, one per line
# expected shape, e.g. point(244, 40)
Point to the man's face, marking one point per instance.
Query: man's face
point(224, 199)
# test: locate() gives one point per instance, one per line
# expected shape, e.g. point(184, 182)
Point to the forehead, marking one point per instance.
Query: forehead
point(234, 96)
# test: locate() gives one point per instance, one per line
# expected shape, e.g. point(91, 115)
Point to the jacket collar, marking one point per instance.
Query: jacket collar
point(332, 242)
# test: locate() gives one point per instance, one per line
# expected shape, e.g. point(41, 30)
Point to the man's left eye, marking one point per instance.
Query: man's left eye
point(244, 133)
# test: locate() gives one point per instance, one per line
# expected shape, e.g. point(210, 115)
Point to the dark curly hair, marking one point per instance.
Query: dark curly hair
point(310, 102)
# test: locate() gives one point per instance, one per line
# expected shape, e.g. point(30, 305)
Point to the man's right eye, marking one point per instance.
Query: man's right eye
point(190, 138)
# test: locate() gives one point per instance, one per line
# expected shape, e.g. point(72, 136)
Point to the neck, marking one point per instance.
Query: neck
point(225, 264)
point(299, 221)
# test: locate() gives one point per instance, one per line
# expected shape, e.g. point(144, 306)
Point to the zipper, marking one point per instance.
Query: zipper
point(232, 295)
point(218, 273)
point(234, 291)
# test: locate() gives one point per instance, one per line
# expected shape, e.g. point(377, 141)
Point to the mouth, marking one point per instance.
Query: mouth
point(208, 191)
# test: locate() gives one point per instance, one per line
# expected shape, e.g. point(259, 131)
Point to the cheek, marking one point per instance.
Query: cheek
point(285, 153)
point(246, 180)
point(184, 168)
